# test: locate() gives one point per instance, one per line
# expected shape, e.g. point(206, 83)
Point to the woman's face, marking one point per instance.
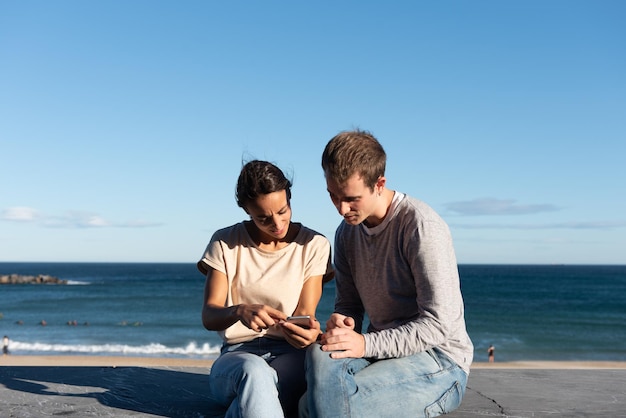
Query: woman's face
point(271, 213)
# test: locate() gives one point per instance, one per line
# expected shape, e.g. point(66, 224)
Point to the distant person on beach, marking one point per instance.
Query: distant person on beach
point(491, 353)
point(394, 261)
point(259, 272)
point(5, 345)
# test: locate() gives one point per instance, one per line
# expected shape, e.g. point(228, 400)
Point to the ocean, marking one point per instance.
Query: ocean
point(528, 312)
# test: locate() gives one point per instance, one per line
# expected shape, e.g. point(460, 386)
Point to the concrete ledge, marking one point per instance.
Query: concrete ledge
point(544, 393)
point(114, 387)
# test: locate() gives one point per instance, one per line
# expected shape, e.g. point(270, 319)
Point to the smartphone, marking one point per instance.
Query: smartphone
point(302, 320)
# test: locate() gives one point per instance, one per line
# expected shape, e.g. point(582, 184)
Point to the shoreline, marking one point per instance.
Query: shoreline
point(129, 361)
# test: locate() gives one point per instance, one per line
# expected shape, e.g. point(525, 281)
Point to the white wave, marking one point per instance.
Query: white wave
point(76, 283)
point(191, 349)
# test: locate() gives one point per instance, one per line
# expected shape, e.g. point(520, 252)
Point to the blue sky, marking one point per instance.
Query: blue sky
point(123, 124)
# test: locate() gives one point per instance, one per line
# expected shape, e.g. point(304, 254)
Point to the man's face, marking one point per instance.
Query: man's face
point(353, 199)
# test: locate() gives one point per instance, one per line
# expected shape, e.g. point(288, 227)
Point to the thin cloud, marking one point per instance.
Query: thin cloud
point(69, 220)
point(138, 224)
point(76, 219)
point(19, 214)
point(492, 206)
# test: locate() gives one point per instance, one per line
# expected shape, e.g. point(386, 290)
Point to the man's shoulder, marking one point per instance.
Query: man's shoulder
point(410, 205)
point(413, 202)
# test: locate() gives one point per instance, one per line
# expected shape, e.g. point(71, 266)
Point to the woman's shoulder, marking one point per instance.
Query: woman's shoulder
point(228, 233)
point(312, 239)
point(306, 231)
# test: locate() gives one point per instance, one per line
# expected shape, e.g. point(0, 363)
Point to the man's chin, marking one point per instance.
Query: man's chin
point(352, 220)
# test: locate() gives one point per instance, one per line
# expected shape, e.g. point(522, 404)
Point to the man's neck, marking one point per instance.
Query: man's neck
point(382, 209)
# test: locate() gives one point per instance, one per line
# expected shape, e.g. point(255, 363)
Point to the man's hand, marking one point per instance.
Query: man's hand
point(341, 339)
point(339, 321)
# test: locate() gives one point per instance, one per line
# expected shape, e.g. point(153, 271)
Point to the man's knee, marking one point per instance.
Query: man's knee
point(315, 355)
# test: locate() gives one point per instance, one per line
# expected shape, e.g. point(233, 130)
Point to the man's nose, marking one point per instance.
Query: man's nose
point(343, 208)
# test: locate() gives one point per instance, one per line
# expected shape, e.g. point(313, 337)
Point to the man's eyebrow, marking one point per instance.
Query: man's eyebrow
point(345, 197)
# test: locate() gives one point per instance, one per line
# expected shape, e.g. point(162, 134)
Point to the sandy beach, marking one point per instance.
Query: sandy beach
point(128, 361)
point(124, 386)
point(101, 361)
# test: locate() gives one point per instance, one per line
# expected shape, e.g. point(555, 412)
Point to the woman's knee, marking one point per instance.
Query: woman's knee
point(239, 366)
point(256, 368)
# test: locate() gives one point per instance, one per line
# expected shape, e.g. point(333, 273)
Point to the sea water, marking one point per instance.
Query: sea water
point(527, 312)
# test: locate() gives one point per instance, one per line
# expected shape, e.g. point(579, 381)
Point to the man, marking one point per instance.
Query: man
point(394, 261)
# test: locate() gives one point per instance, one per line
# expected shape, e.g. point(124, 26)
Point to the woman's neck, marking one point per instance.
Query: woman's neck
point(269, 243)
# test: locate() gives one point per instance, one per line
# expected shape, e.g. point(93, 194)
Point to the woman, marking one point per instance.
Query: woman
point(259, 272)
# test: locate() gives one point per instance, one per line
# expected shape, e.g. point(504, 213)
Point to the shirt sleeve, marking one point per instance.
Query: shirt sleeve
point(440, 306)
point(347, 300)
point(213, 256)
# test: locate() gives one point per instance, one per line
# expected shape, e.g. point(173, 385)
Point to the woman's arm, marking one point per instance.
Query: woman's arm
point(310, 295)
point(215, 315)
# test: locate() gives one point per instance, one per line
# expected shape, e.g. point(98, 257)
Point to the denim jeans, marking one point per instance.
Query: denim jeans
point(425, 384)
point(260, 378)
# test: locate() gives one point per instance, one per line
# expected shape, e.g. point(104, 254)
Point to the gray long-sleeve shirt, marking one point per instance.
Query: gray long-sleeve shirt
point(403, 274)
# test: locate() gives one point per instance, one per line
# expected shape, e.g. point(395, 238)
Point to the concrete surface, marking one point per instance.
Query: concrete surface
point(36, 391)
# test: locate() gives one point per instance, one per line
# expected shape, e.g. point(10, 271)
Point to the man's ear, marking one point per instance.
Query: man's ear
point(380, 184)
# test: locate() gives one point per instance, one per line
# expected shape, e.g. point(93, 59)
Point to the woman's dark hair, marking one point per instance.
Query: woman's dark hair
point(260, 178)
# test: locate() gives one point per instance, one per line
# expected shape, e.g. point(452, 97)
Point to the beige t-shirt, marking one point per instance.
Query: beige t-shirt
point(273, 278)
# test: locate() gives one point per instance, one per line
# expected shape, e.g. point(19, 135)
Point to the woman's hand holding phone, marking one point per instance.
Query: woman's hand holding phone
point(300, 320)
point(300, 331)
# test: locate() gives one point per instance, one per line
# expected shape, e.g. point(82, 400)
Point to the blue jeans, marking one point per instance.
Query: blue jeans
point(425, 384)
point(260, 378)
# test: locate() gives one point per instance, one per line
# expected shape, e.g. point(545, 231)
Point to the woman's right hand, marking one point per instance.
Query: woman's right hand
point(259, 317)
